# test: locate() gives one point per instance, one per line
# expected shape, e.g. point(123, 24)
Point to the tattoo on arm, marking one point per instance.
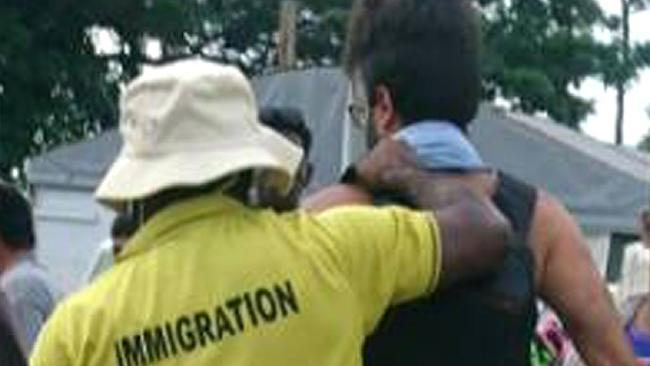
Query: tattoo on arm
point(474, 233)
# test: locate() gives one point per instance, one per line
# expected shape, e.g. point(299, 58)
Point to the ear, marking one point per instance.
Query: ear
point(383, 112)
point(309, 172)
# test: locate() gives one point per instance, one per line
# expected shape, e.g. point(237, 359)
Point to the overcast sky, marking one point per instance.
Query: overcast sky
point(637, 121)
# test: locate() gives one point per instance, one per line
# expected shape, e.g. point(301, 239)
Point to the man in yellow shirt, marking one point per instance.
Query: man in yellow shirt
point(207, 280)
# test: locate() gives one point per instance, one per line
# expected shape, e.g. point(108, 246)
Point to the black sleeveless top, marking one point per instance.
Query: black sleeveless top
point(489, 321)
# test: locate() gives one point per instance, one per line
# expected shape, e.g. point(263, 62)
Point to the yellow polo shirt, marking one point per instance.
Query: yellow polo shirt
point(209, 281)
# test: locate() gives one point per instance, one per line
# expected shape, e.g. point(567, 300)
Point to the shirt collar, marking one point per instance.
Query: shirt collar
point(176, 215)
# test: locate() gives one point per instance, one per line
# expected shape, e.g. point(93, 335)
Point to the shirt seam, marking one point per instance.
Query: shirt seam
point(436, 253)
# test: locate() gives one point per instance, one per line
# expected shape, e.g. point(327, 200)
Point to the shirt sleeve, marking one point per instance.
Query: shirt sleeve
point(389, 255)
point(31, 304)
point(30, 319)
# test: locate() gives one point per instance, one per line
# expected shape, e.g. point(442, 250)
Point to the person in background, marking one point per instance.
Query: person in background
point(636, 308)
point(123, 227)
point(30, 291)
point(551, 345)
point(414, 67)
point(209, 280)
point(11, 353)
point(635, 278)
point(290, 123)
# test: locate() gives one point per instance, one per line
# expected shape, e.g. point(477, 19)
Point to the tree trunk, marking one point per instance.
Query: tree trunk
point(620, 112)
point(623, 78)
point(287, 35)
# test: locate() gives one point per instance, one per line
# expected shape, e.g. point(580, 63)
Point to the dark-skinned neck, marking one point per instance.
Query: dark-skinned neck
point(235, 187)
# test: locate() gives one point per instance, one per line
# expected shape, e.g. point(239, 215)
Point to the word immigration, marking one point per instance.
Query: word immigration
point(184, 334)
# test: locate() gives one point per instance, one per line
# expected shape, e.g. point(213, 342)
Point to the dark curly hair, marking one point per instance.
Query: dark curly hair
point(426, 52)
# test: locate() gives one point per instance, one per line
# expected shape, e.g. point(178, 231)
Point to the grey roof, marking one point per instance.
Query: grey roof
point(321, 94)
point(78, 165)
point(603, 185)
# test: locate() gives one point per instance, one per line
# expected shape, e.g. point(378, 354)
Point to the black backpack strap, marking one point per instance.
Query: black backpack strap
point(517, 201)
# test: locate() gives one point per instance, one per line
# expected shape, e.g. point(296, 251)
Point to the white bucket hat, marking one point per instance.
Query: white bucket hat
point(190, 123)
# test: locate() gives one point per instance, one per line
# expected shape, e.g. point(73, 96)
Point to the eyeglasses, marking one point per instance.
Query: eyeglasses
point(359, 114)
point(359, 107)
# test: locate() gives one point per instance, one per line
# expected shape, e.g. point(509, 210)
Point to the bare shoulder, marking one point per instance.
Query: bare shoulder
point(336, 195)
point(550, 211)
point(553, 230)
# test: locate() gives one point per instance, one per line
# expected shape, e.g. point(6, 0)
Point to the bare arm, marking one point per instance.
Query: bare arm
point(473, 233)
point(569, 281)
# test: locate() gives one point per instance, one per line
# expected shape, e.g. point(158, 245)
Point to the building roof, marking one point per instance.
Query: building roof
point(605, 186)
point(77, 165)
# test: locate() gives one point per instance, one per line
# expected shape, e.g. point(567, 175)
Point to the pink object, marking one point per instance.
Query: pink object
point(550, 331)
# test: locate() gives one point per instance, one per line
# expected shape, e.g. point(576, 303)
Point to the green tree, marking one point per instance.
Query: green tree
point(43, 73)
point(57, 86)
point(625, 59)
point(538, 52)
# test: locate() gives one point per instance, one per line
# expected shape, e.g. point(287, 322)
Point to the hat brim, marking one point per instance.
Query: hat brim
point(136, 177)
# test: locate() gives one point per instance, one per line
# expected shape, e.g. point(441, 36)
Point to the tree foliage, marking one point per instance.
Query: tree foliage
point(538, 52)
point(616, 66)
point(52, 87)
point(625, 58)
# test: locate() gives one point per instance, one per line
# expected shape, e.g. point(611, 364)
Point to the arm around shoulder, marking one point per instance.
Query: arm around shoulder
point(474, 237)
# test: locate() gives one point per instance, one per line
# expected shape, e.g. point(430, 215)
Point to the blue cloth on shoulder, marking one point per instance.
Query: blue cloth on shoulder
point(441, 145)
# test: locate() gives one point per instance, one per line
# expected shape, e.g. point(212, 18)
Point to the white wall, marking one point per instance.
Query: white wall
point(599, 243)
point(635, 278)
point(70, 226)
point(635, 267)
